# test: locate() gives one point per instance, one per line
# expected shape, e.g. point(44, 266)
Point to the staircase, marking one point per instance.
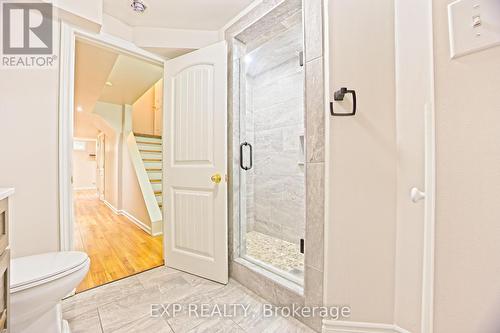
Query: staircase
point(150, 148)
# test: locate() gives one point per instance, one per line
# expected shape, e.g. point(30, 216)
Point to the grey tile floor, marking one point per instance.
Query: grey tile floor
point(125, 306)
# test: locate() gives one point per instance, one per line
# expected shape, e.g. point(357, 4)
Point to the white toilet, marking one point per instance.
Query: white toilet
point(37, 285)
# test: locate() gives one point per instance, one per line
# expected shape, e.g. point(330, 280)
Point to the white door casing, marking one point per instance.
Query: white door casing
point(195, 207)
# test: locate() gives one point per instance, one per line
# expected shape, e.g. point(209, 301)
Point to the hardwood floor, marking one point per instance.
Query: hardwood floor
point(117, 248)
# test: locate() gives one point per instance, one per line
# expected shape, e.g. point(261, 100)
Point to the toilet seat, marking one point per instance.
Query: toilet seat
point(32, 271)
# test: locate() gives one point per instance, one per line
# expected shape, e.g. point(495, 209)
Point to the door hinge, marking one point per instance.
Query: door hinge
point(302, 245)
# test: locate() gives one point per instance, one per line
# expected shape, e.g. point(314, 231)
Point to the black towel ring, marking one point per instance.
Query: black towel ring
point(339, 96)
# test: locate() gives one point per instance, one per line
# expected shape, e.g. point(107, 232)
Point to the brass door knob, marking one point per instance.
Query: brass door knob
point(217, 178)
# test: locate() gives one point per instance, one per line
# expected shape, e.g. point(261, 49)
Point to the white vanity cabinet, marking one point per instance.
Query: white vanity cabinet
point(4, 259)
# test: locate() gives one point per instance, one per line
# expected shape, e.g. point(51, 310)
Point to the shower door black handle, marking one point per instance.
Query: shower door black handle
point(241, 156)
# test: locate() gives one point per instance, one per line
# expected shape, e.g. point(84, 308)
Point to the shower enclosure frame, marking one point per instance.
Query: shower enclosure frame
point(274, 287)
point(247, 164)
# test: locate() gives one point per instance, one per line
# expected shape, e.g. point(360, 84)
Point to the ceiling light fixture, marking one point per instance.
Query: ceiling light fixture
point(138, 6)
point(79, 108)
point(109, 84)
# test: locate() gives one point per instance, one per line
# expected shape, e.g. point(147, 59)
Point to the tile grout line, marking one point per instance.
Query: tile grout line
point(100, 320)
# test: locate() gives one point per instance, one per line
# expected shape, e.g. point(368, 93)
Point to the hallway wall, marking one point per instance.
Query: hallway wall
point(147, 114)
point(143, 114)
point(85, 167)
point(132, 198)
point(112, 116)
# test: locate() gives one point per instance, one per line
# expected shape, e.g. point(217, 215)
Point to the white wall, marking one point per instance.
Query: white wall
point(360, 256)
point(29, 155)
point(85, 167)
point(143, 114)
point(117, 28)
point(87, 14)
point(467, 294)
point(132, 198)
point(112, 115)
point(89, 9)
point(122, 188)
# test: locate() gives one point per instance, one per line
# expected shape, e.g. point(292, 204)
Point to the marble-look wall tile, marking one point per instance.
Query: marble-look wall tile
point(270, 141)
point(252, 280)
point(276, 164)
point(315, 115)
point(282, 89)
point(286, 68)
point(313, 285)
point(293, 138)
point(269, 25)
point(313, 30)
point(281, 49)
point(285, 114)
point(315, 215)
point(254, 15)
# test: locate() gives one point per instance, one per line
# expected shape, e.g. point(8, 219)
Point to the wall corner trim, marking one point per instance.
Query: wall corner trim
point(335, 326)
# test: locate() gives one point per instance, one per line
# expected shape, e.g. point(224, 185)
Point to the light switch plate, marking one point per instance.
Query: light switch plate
point(474, 26)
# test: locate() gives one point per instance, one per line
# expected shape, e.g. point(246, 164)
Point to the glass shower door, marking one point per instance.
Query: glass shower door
point(272, 175)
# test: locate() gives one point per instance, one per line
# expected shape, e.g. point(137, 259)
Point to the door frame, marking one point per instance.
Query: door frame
point(69, 35)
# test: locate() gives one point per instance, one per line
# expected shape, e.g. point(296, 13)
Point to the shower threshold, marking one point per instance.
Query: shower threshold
point(275, 255)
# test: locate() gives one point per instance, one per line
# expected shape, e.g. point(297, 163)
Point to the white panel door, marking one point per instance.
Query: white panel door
point(195, 187)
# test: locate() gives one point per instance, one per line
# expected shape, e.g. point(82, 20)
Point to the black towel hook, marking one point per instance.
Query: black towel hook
point(339, 96)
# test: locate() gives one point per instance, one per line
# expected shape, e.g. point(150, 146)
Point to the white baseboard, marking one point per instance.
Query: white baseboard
point(335, 326)
point(131, 218)
point(136, 221)
point(111, 207)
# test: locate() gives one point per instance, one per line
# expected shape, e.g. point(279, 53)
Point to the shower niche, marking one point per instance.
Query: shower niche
point(269, 143)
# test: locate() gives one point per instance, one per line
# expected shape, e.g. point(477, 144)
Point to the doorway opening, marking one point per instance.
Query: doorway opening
point(189, 207)
point(117, 162)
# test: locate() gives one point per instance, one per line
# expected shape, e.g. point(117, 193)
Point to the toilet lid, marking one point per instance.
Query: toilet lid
point(33, 270)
